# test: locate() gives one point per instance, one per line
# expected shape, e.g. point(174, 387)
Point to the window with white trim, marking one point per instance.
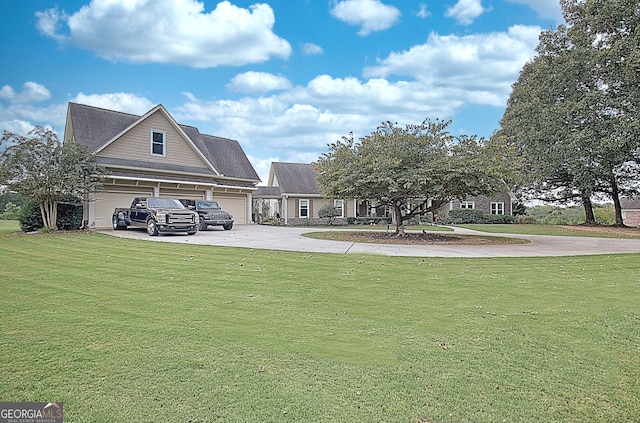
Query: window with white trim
point(339, 205)
point(158, 143)
point(497, 208)
point(303, 208)
point(467, 205)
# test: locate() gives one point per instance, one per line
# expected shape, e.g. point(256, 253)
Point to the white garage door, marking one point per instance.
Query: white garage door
point(234, 205)
point(107, 201)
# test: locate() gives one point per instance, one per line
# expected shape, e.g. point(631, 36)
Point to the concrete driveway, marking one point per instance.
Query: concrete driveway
point(291, 239)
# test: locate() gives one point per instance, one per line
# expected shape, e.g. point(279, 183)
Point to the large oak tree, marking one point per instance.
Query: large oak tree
point(573, 113)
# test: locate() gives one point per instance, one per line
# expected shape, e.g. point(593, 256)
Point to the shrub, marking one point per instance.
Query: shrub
point(465, 216)
point(11, 212)
point(328, 212)
point(471, 216)
point(526, 220)
point(69, 216)
point(373, 220)
point(30, 218)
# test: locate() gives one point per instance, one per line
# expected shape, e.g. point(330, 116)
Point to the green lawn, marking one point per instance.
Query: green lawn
point(137, 331)
point(558, 230)
point(9, 226)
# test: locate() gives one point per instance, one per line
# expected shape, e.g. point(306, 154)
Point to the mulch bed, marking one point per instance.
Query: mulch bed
point(415, 238)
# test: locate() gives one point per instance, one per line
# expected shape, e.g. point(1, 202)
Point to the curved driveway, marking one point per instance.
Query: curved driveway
point(291, 239)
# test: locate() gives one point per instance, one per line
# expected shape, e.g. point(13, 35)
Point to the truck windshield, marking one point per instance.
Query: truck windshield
point(164, 203)
point(207, 205)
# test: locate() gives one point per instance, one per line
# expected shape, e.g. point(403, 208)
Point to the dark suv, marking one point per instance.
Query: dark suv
point(210, 213)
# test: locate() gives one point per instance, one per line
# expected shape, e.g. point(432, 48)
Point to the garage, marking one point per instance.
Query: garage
point(154, 156)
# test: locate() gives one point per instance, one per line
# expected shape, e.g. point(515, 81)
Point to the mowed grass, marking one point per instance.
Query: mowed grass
point(600, 231)
point(123, 330)
point(9, 226)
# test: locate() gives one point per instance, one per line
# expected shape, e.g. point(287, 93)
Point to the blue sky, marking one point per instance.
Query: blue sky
point(283, 77)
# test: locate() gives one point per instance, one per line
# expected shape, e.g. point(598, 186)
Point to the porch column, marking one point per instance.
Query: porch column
point(285, 209)
point(91, 209)
point(249, 208)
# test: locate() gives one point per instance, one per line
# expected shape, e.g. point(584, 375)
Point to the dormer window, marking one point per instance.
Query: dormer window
point(158, 143)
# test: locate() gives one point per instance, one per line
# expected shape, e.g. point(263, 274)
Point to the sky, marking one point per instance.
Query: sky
point(285, 78)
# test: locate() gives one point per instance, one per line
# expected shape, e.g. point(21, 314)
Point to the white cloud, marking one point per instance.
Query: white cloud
point(311, 49)
point(546, 9)
point(32, 92)
point(369, 15)
point(167, 31)
point(49, 23)
point(258, 82)
point(423, 12)
point(122, 102)
point(432, 80)
point(465, 11)
point(482, 66)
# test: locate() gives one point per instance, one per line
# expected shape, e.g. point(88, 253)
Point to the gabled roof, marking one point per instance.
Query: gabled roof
point(295, 178)
point(97, 127)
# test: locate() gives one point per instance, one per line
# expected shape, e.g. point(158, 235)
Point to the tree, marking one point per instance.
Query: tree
point(610, 29)
point(573, 114)
point(41, 169)
point(414, 170)
point(329, 212)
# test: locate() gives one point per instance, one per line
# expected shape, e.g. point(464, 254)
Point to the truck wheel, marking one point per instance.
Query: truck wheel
point(116, 224)
point(228, 227)
point(152, 228)
point(202, 226)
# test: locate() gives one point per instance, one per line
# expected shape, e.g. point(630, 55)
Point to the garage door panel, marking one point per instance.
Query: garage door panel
point(234, 205)
point(107, 201)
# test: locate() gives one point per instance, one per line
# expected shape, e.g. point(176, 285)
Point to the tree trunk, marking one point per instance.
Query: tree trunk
point(590, 217)
point(48, 211)
point(398, 216)
point(617, 207)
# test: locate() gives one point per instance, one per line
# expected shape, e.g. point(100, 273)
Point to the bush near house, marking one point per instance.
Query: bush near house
point(368, 220)
point(69, 216)
point(467, 216)
point(329, 213)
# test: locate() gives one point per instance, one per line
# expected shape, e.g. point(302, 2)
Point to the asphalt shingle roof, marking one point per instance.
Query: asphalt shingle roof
point(94, 126)
point(296, 178)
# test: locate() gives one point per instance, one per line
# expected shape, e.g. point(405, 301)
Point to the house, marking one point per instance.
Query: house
point(293, 195)
point(630, 211)
point(153, 155)
point(499, 203)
